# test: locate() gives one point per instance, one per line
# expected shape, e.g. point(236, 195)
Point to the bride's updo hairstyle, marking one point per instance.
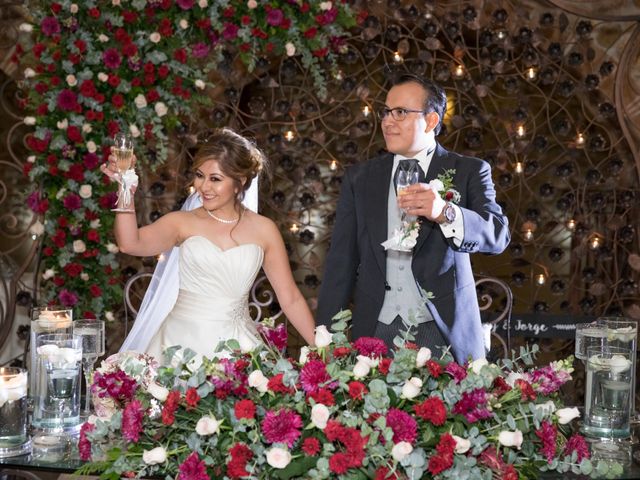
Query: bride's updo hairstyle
point(237, 156)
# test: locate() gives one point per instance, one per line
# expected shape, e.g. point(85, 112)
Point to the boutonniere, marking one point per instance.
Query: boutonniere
point(404, 238)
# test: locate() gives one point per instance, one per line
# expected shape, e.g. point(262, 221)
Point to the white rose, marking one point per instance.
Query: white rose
point(85, 191)
point(477, 365)
point(619, 364)
point(48, 273)
point(319, 416)
point(325, 5)
point(29, 120)
point(86, 128)
point(134, 130)
point(61, 193)
point(184, 24)
point(29, 73)
point(63, 124)
point(411, 388)
point(115, 3)
point(103, 38)
point(207, 426)
point(31, 159)
point(140, 101)
point(247, 344)
point(200, 84)
point(25, 27)
point(84, 276)
point(462, 444)
point(73, 8)
point(161, 109)
point(251, 4)
point(112, 248)
point(94, 223)
point(510, 439)
point(424, 355)
point(547, 408)
point(109, 316)
point(278, 457)
point(154, 37)
point(371, 362)
point(157, 391)
point(103, 77)
point(361, 369)
point(37, 228)
point(155, 456)
point(323, 336)
point(203, 3)
point(91, 146)
point(304, 355)
point(401, 450)
point(436, 185)
point(71, 80)
point(290, 48)
point(258, 381)
point(565, 415)
point(79, 246)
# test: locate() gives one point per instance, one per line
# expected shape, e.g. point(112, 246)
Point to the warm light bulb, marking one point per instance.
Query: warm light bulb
point(294, 228)
point(528, 235)
point(571, 224)
point(366, 111)
point(580, 139)
point(397, 57)
point(520, 130)
point(595, 243)
point(289, 135)
point(531, 73)
point(338, 75)
point(541, 279)
point(458, 72)
point(519, 167)
point(333, 166)
point(501, 34)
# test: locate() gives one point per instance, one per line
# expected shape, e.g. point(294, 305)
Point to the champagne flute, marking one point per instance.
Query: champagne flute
point(406, 177)
point(92, 333)
point(122, 150)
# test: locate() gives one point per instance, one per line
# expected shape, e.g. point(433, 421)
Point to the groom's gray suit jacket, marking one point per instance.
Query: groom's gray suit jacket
point(355, 267)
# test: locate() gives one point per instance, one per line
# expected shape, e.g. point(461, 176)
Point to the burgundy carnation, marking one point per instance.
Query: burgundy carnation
point(370, 346)
point(282, 427)
point(405, 428)
point(50, 26)
point(275, 17)
point(67, 100)
point(111, 58)
point(193, 469)
point(313, 375)
point(132, 417)
point(84, 445)
point(67, 298)
point(72, 202)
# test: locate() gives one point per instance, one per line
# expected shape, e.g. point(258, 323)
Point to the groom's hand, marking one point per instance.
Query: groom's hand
point(421, 200)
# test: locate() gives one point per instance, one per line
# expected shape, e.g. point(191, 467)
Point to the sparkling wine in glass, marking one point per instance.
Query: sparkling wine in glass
point(92, 334)
point(406, 177)
point(122, 150)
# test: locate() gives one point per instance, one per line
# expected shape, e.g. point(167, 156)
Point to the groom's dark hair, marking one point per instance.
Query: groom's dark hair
point(436, 98)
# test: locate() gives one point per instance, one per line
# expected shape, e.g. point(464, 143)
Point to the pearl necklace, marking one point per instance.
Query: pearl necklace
point(221, 220)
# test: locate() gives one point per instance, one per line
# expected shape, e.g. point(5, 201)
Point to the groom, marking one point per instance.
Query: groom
point(386, 286)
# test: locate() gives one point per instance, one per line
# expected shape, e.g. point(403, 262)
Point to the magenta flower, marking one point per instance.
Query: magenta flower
point(67, 100)
point(185, 4)
point(84, 445)
point(50, 26)
point(370, 346)
point(473, 405)
point(132, 416)
point(72, 201)
point(230, 31)
point(548, 433)
point(578, 444)
point(67, 298)
point(458, 372)
point(277, 337)
point(117, 385)
point(547, 380)
point(275, 17)
point(90, 161)
point(404, 426)
point(33, 200)
point(199, 50)
point(281, 427)
point(111, 58)
point(193, 469)
point(313, 375)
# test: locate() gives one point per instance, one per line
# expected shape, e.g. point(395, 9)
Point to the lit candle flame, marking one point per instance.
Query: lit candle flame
point(532, 73)
point(520, 130)
point(541, 279)
point(366, 111)
point(333, 166)
point(397, 57)
point(528, 235)
point(519, 167)
point(294, 228)
point(289, 135)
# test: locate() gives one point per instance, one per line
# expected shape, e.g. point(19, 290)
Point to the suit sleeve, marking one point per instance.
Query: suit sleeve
point(486, 228)
point(341, 263)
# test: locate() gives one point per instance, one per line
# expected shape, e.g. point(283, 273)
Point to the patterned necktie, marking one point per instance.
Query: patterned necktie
point(408, 165)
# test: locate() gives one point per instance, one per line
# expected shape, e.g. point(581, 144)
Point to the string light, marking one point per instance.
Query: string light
point(397, 58)
point(531, 73)
point(541, 279)
point(595, 242)
point(458, 71)
point(366, 111)
point(528, 235)
point(501, 34)
point(520, 130)
point(580, 140)
point(333, 166)
point(571, 224)
point(294, 228)
point(289, 135)
point(519, 167)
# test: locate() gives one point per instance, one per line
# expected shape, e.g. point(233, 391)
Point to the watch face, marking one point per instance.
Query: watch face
point(450, 213)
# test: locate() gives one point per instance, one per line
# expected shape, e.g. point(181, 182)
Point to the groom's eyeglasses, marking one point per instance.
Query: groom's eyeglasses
point(397, 113)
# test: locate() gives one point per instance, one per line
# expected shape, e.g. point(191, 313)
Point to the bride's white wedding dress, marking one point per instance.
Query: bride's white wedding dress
point(212, 303)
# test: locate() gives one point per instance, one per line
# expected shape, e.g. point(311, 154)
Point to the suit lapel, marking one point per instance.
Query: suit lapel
point(376, 198)
point(439, 163)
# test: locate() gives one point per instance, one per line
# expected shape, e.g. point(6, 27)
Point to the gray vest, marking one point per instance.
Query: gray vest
point(402, 296)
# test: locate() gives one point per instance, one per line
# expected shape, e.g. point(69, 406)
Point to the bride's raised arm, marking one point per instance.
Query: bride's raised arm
point(276, 266)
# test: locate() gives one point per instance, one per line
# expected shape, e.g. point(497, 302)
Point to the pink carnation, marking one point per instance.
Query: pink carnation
point(84, 445)
point(281, 427)
point(132, 417)
point(72, 202)
point(111, 58)
point(50, 26)
point(547, 433)
point(405, 428)
point(458, 372)
point(276, 336)
point(370, 346)
point(314, 375)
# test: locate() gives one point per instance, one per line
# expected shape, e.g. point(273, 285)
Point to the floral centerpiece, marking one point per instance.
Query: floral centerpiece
point(342, 410)
point(94, 68)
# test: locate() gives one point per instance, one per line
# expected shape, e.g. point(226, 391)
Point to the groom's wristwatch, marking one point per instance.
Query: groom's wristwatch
point(449, 213)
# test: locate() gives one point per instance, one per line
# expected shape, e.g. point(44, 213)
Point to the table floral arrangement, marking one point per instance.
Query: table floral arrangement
point(348, 410)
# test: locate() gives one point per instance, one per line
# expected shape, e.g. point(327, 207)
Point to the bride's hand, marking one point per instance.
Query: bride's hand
point(111, 170)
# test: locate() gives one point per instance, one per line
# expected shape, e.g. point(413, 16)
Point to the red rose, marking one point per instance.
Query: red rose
point(117, 101)
point(94, 12)
point(95, 290)
point(448, 195)
point(38, 49)
point(47, 251)
point(73, 134)
point(152, 95)
point(244, 409)
point(136, 82)
point(129, 50)
point(56, 7)
point(90, 315)
point(113, 80)
point(163, 71)
point(93, 236)
point(73, 269)
point(180, 55)
point(310, 32)
point(58, 281)
point(245, 20)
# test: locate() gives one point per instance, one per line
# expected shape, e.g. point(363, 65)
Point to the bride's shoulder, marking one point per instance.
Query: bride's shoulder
point(260, 221)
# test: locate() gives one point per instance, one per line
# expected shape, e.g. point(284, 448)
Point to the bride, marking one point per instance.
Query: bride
point(222, 246)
